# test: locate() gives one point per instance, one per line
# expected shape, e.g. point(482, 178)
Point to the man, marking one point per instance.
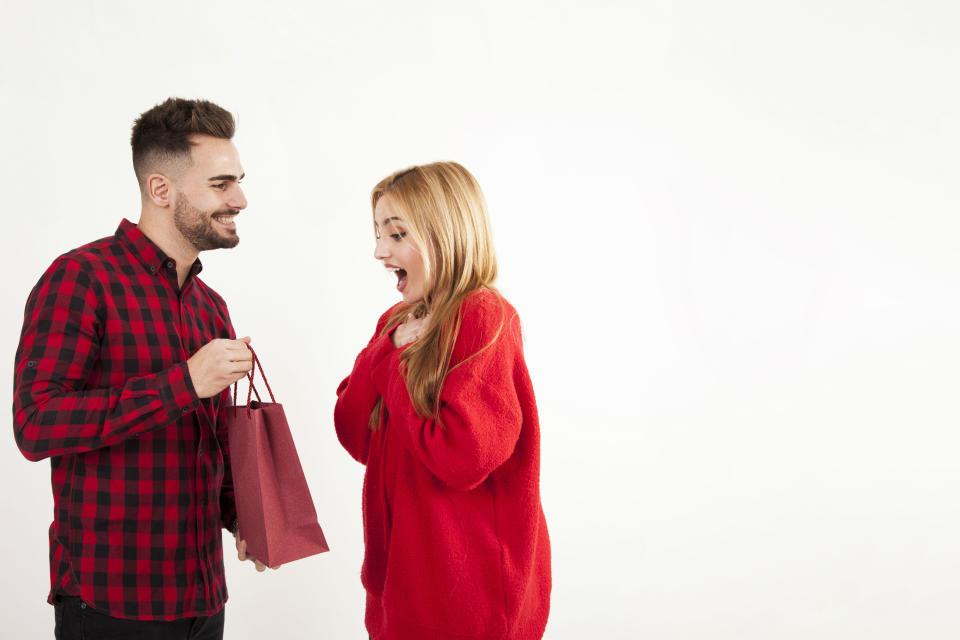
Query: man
point(123, 369)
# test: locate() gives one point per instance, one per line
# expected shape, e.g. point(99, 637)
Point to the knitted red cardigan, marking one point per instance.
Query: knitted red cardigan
point(456, 541)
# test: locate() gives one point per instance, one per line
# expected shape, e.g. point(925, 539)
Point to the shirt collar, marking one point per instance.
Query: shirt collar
point(147, 252)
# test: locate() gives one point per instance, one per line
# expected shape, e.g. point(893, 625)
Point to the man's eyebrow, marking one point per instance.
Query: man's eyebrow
point(229, 177)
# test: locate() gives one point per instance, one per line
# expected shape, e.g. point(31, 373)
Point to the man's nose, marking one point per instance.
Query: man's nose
point(237, 199)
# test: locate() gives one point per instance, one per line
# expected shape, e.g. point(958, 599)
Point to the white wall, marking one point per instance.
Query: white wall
point(731, 230)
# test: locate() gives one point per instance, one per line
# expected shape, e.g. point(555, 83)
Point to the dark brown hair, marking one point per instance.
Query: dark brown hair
point(162, 134)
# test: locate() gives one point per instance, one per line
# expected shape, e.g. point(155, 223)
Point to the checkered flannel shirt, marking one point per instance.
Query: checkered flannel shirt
point(140, 465)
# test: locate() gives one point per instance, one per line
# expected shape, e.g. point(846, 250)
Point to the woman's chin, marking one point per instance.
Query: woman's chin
point(411, 296)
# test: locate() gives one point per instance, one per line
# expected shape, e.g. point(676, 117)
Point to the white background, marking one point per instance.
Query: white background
point(730, 229)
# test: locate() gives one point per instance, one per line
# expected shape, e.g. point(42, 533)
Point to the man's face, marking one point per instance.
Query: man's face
point(209, 196)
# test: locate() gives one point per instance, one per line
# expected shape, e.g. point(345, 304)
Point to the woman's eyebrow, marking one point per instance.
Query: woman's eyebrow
point(388, 221)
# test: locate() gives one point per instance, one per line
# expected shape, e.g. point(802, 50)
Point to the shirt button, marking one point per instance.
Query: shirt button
point(31, 363)
point(169, 264)
point(153, 268)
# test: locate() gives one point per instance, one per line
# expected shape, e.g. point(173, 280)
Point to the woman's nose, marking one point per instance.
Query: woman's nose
point(380, 250)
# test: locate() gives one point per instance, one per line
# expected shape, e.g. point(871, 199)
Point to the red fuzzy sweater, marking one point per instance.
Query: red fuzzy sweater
point(456, 541)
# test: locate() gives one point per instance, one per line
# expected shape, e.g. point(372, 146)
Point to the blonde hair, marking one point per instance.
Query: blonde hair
point(445, 215)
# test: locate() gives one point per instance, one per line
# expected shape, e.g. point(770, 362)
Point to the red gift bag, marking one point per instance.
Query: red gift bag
point(274, 508)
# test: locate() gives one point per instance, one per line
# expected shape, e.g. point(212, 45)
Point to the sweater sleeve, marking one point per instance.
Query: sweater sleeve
point(356, 395)
point(479, 416)
point(54, 414)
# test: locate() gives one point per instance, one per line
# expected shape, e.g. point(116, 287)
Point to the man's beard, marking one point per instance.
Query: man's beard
point(197, 226)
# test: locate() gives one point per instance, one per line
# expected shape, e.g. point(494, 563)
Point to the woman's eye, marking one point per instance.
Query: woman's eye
point(398, 236)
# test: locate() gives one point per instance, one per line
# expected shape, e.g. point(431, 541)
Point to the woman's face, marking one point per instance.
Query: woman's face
point(397, 252)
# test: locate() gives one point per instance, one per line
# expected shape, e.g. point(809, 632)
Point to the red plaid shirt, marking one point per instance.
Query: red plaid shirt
point(141, 474)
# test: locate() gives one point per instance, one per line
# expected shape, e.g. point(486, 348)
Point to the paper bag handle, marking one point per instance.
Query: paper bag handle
point(252, 389)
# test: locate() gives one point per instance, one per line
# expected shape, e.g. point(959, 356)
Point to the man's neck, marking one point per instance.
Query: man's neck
point(171, 243)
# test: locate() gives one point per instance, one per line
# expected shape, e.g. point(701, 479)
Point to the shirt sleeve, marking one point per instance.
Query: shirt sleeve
point(54, 411)
point(228, 502)
point(479, 416)
point(356, 395)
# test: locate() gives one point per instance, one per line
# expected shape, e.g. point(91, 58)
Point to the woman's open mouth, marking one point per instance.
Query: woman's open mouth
point(401, 279)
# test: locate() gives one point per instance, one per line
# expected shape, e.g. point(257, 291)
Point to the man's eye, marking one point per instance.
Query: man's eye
point(220, 185)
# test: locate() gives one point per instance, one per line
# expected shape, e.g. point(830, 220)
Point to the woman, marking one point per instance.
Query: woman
point(440, 408)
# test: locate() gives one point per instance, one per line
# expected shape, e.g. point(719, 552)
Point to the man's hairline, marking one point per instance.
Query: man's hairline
point(183, 158)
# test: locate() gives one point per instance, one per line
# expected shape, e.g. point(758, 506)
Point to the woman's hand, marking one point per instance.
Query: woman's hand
point(410, 330)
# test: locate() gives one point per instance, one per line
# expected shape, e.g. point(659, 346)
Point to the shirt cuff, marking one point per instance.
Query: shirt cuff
point(176, 392)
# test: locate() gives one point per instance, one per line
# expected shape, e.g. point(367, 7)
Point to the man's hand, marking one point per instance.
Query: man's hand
point(242, 554)
point(218, 364)
point(410, 330)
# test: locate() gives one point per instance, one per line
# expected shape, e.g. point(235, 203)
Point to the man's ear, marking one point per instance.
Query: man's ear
point(160, 189)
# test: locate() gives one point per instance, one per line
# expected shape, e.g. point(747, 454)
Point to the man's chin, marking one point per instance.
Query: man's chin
point(229, 241)
point(226, 237)
point(217, 241)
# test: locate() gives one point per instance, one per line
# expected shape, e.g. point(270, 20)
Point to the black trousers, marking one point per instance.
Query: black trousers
point(77, 621)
